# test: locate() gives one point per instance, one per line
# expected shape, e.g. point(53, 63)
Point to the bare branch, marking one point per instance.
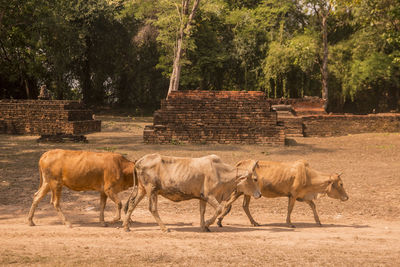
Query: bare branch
point(185, 6)
point(316, 10)
point(179, 13)
point(4, 51)
point(192, 13)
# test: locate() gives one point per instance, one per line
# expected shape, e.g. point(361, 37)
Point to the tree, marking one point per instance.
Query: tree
point(21, 57)
point(186, 19)
point(368, 62)
point(322, 9)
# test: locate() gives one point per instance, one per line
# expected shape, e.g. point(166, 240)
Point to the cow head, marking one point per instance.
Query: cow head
point(247, 182)
point(336, 189)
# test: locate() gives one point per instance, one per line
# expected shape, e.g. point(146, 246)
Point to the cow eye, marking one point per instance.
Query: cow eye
point(255, 179)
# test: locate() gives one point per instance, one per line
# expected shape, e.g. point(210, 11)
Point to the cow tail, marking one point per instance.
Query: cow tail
point(41, 180)
point(134, 190)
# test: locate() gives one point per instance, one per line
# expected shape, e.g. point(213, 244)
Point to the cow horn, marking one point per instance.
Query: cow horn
point(254, 166)
point(340, 173)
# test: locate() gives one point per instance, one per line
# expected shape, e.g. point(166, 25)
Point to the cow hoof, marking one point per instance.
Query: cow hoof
point(166, 230)
point(206, 230)
point(219, 224)
point(31, 223)
point(292, 226)
point(255, 224)
point(127, 229)
point(68, 224)
point(103, 224)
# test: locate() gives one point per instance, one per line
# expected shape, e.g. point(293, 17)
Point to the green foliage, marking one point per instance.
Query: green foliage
point(367, 63)
point(120, 52)
point(297, 56)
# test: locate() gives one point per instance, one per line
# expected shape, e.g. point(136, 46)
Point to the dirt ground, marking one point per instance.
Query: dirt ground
point(364, 231)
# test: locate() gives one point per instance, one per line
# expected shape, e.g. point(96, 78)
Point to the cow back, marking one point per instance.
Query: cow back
point(82, 170)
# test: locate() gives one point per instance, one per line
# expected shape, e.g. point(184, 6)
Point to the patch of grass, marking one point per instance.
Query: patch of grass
point(385, 146)
point(175, 142)
point(108, 148)
point(137, 126)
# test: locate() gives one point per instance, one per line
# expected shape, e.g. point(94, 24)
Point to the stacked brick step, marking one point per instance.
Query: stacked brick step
point(293, 126)
point(286, 116)
point(225, 117)
point(46, 118)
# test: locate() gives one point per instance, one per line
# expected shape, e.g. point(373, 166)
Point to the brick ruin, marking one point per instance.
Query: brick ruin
point(344, 124)
point(225, 117)
point(291, 111)
point(306, 117)
point(308, 105)
point(239, 117)
point(48, 118)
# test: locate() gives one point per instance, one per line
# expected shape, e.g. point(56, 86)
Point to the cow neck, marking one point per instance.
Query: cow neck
point(319, 180)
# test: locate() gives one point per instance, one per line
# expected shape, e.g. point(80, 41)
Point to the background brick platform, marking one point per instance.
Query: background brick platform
point(225, 117)
point(46, 117)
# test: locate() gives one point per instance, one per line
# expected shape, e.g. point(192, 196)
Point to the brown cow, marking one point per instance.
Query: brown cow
point(296, 180)
point(107, 173)
point(207, 179)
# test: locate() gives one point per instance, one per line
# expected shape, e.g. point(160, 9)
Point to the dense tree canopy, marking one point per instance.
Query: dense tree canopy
point(121, 53)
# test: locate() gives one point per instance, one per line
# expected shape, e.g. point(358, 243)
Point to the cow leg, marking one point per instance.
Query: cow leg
point(56, 202)
point(131, 198)
point(202, 212)
point(153, 199)
point(227, 207)
point(133, 202)
point(114, 197)
point(312, 205)
point(246, 204)
point(219, 222)
point(39, 195)
point(292, 200)
point(103, 201)
point(219, 209)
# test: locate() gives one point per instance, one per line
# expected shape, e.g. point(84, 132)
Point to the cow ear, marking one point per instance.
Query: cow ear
point(329, 187)
point(241, 178)
point(254, 166)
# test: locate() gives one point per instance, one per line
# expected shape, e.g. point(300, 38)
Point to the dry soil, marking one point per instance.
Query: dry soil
point(364, 231)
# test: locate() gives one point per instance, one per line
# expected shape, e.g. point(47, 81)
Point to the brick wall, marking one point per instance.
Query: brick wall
point(308, 105)
point(46, 117)
point(339, 125)
point(226, 117)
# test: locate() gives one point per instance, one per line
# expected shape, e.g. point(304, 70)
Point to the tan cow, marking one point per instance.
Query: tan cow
point(107, 173)
point(207, 179)
point(295, 180)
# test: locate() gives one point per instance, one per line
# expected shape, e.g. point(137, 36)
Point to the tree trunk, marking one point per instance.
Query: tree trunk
point(176, 69)
point(28, 95)
point(324, 69)
point(86, 83)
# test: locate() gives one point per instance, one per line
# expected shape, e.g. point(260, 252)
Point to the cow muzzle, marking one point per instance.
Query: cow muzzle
point(257, 194)
point(344, 198)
